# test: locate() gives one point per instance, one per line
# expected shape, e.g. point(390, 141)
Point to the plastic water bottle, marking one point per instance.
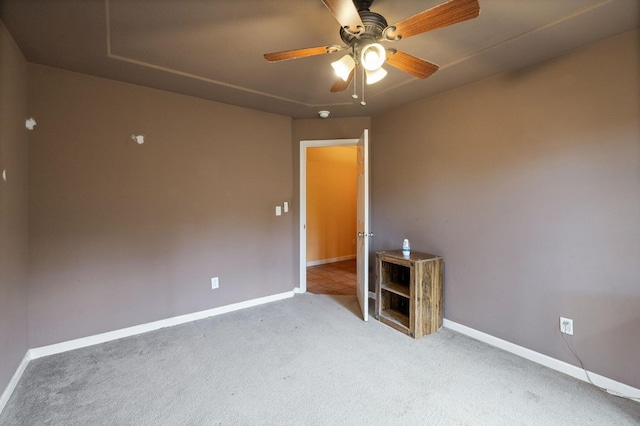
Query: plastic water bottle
point(406, 249)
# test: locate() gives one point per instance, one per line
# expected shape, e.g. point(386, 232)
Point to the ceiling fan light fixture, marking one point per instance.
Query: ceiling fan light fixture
point(344, 66)
point(373, 56)
point(376, 75)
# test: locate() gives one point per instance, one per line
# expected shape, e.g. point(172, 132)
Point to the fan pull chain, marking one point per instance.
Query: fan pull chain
point(355, 83)
point(362, 102)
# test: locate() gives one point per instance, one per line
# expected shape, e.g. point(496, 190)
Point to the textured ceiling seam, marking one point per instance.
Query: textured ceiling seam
point(114, 56)
point(509, 40)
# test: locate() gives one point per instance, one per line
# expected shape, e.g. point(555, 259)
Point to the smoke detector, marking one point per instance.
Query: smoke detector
point(323, 114)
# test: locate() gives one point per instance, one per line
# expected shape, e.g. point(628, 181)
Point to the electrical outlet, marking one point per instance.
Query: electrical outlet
point(566, 325)
point(214, 283)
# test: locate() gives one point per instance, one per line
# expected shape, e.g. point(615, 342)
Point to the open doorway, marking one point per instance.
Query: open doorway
point(331, 219)
point(328, 202)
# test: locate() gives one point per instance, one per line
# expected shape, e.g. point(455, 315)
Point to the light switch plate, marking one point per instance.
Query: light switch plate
point(285, 207)
point(278, 211)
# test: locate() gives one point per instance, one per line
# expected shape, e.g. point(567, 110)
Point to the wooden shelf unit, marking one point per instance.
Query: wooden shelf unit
point(409, 294)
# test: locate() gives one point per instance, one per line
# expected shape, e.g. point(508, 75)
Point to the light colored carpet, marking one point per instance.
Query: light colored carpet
point(309, 360)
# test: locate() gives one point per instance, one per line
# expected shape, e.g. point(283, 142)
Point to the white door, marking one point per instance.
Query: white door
point(362, 289)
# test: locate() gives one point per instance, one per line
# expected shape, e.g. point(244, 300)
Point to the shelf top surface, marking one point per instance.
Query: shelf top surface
point(414, 256)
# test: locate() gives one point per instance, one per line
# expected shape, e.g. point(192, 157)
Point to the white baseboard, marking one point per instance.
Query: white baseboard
point(332, 260)
point(83, 342)
point(14, 381)
point(612, 386)
point(151, 326)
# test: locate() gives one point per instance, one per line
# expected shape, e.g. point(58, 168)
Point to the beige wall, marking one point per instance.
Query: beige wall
point(14, 234)
point(124, 234)
point(529, 185)
point(331, 202)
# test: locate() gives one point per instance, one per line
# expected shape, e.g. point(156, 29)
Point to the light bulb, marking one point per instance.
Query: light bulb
point(373, 56)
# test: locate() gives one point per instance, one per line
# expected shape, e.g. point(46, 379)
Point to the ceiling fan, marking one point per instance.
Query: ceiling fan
point(362, 31)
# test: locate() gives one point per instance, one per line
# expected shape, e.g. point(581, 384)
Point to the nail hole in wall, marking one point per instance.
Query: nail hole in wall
point(30, 123)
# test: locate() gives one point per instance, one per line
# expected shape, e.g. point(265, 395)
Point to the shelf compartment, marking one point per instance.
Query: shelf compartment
point(397, 288)
point(394, 273)
point(397, 318)
point(395, 308)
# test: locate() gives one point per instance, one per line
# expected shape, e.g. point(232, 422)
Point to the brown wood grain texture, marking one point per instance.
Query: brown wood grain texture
point(429, 296)
point(345, 13)
point(340, 85)
point(411, 64)
point(445, 14)
point(300, 53)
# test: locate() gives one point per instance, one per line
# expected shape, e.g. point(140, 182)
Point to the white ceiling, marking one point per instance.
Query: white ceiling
point(214, 49)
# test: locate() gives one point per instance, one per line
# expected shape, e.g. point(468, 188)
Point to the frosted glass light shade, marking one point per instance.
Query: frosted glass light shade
point(344, 66)
point(375, 76)
point(373, 56)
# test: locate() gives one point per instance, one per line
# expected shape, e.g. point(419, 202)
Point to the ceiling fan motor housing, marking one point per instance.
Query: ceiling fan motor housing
point(374, 25)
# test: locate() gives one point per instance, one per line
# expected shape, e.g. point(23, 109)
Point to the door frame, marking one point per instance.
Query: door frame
point(302, 284)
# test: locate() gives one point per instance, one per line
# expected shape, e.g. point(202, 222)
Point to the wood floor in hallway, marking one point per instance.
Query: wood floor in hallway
point(333, 278)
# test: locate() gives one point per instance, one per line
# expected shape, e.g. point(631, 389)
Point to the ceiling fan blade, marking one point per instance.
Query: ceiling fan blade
point(445, 14)
point(300, 53)
point(340, 85)
point(346, 14)
point(411, 64)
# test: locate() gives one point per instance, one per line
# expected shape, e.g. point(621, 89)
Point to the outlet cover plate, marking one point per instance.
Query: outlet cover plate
point(566, 325)
point(214, 283)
